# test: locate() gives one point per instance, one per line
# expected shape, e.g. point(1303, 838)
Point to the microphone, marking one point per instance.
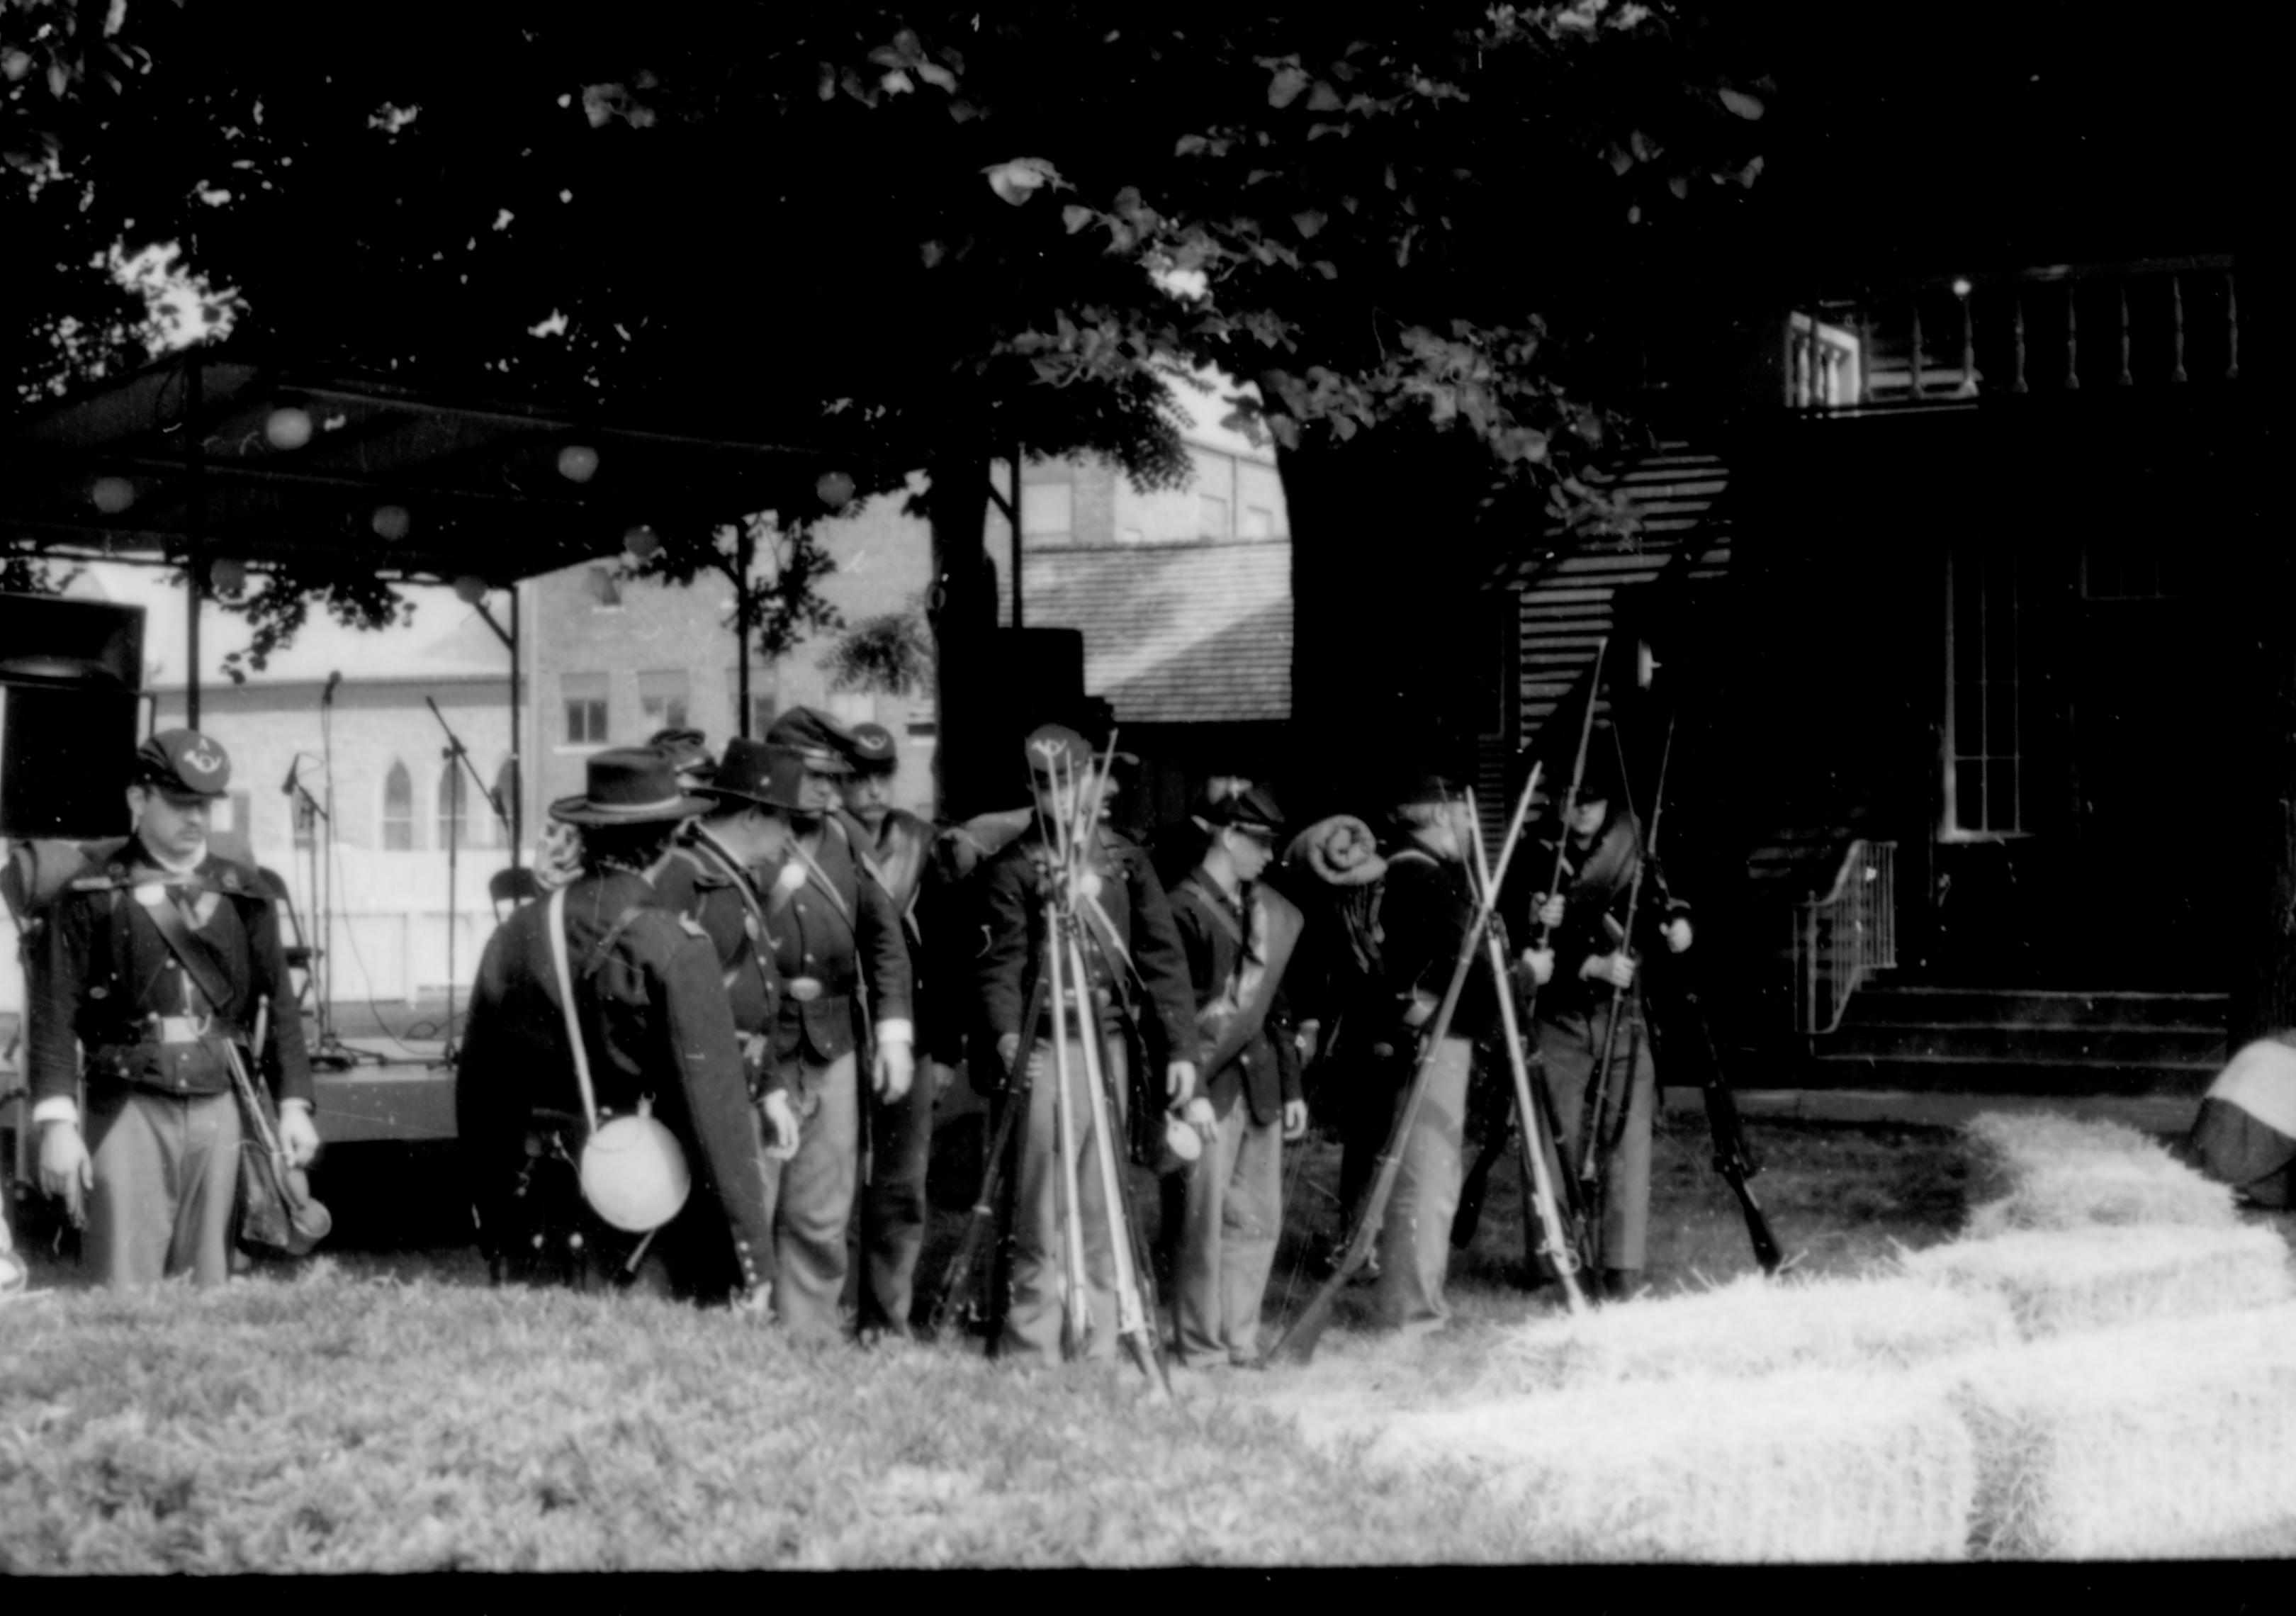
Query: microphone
point(288, 790)
point(327, 695)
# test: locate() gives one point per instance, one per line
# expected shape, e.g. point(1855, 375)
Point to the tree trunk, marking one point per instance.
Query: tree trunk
point(962, 609)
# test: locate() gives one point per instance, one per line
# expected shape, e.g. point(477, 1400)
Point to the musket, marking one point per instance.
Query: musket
point(1551, 1239)
point(1298, 1341)
point(1624, 1002)
point(981, 1223)
point(1733, 1157)
point(1477, 1183)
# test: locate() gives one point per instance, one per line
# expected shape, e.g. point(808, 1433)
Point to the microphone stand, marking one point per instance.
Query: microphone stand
point(455, 750)
point(324, 1049)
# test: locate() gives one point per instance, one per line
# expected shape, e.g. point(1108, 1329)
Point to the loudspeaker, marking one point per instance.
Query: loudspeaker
point(65, 757)
point(995, 690)
point(68, 710)
point(84, 644)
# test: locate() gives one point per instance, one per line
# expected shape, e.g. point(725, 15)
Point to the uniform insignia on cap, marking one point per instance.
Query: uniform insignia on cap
point(203, 759)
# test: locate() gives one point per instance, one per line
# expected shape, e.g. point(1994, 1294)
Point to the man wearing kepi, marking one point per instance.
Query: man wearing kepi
point(892, 847)
point(1425, 913)
point(152, 963)
point(836, 939)
point(708, 879)
point(1240, 936)
point(1597, 962)
point(1128, 919)
point(655, 1026)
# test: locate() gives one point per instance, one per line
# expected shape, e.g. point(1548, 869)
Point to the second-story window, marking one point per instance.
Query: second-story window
point(663, 698)
point(584, 695)
point(1211, 516)
point(1048, 510)
point(398, 810)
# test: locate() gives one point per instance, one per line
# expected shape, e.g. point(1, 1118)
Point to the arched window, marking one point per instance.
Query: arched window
point(455, 829)
point(398, 810)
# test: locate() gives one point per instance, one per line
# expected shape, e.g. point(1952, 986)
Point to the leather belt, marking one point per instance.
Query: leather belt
point(180, 1028)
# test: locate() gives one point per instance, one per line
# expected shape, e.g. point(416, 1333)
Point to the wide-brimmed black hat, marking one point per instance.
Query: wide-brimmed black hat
point(629, 785)
point(760, 772)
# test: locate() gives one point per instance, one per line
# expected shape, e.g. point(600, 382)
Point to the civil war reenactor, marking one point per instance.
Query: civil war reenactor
point(893, 848)
point(656, 1030)
point(1240, 936)
point(1587, 928)
point(149, 967)
point(1134, 955)
point(1427, 903)
point(835, 938)
point(710, 877)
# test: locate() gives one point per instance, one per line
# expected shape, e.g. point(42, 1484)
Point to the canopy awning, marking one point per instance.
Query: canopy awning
point(357, 476)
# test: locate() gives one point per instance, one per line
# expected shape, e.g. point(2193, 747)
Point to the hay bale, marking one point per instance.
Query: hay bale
point(1749, 1328)
point(1809, 1465)
point(2135, 1442)
point(2057, 1282)
point(2039, 1170)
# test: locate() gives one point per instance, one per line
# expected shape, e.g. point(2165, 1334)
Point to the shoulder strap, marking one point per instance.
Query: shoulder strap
point(556, 923)
point(1219, 909)
point(820, 878)
point(738, 877)
point(169, 922)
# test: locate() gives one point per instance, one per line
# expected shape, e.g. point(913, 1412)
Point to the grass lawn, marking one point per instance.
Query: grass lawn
point(384, 1409)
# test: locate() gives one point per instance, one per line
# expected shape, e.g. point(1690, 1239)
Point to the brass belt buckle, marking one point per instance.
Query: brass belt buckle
point(804, 990)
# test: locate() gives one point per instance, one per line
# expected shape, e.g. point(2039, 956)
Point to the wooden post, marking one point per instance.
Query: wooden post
point(2177, 327)
point(2017, 338)
point(194, 519)
point(2125, 380)
point(2072, 338)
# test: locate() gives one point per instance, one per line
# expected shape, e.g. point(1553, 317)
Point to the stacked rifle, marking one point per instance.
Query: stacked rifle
point(1061, 988)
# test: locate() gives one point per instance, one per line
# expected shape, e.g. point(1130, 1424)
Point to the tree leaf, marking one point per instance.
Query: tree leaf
point(1284, 89)
point(1187, 146)
point(1749, 107)
point(1308, 222)
point(1075, 217)
point(1322, 98)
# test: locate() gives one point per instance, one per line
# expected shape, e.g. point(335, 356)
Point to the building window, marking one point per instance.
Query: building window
point(1047, 510)
point(764, 704)
point(1985, 738)
point(662, 696)
point(307, 823)
point(585, 697)
point(1258, 523)
point(1211, 516)
point(605, 589)
point(2137, 567)
point(455, 827)
point(398, 810)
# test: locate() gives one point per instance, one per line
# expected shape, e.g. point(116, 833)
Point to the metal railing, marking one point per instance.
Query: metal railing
point(2061, 328)
point(1842, 938)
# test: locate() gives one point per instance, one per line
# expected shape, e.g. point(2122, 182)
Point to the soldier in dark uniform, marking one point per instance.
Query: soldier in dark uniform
point(836, 939)
point(1240, 935)
point(150, 963)
point(655, 1022)
point(708, 878)
point(893, 847)
point(1426, 907)
point(1132, 921)
point(1586, 920)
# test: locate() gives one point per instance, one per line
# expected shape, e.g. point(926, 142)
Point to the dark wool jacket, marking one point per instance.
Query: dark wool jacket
point(845, 936)
point(1137, 910)
point(654, 1020)
point(704, 883)
point(1215, 934)
point(102, 969)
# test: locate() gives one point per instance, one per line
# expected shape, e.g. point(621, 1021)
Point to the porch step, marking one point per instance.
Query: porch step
point(2024, 1041)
